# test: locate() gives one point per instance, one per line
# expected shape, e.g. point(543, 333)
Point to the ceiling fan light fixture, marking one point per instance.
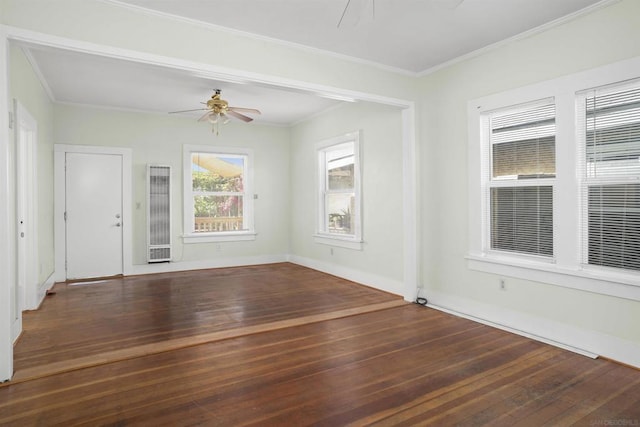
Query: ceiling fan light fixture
point(218, 110)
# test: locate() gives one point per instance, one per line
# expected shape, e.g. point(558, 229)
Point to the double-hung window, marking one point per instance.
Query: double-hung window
point(554, 178)
point(339, 221)
point(609, 137)
point(217, 194)
point(519, 191)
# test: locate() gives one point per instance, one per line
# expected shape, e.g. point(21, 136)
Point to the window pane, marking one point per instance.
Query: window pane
point(522, 219)
point(339, 213)
point(614, 225)
point(217, 172)
point(613, 134)
point(340, 167)
point(217, 213)
point(533, 158)
point(523, 143)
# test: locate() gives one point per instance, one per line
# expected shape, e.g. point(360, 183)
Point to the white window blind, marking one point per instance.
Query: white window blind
point(609, 128)
point(522, 168)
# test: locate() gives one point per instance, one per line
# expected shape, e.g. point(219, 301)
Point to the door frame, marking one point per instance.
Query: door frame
point(7, 244)
point(27, 207)
point(60, 201)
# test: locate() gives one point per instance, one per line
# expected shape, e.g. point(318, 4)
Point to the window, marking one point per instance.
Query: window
point(217, 194)
point(339, 220)
point(522, 151)
point(554, 181)
point(609, 133)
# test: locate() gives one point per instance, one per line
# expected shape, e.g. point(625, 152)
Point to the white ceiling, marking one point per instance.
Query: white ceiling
point(92, 80)
point(408, 35)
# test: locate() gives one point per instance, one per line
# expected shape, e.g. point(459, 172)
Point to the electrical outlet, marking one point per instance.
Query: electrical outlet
point(331, 251)
point(218, 247)
point(503, 285)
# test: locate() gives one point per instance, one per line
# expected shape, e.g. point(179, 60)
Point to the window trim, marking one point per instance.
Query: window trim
point(490, 183)
point(321, 235)
point(587, 181)
point(566, 268)
point(188, 235)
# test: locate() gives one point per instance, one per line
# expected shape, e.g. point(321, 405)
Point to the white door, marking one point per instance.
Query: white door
point(93, 215)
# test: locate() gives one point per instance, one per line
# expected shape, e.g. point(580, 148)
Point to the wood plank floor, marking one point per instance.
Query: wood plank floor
point(84, 319)
point(402, 365)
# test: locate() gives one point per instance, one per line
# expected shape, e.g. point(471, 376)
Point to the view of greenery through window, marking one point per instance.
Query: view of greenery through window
point(217, 184)
point(340, 197)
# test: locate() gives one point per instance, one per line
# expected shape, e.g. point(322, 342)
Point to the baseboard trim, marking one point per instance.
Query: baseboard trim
point(586, 342)
point(361, 277)
point(169, 267)
point(42, 291)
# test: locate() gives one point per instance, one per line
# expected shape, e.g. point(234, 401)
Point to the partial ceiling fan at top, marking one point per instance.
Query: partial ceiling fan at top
point(219, 110)
point(357, 10)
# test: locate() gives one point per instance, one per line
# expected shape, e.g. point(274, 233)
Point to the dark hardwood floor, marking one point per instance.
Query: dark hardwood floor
point(315, 354)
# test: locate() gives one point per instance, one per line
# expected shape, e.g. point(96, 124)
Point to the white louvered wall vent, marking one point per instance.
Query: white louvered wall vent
point(158, 213)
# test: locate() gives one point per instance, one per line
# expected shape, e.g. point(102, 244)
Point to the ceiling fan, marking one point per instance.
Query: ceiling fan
point(218, 109)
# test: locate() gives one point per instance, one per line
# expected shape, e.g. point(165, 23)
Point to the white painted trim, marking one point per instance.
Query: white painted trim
point(24, 120)
point(59, 155)
point(565, 269)
point(7, 205)
point(582, 341)
point(249, 233)
point(322, 234)
point(325, 239)
point(223, 236)
point(410, 205)
point(207, 71)
point(526, 34)
point(43, 288)
point(361, 277)
point(206, 264)
point(624, 286)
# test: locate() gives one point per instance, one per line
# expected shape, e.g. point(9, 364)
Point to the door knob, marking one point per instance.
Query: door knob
point(117, 224)
point(117, 215)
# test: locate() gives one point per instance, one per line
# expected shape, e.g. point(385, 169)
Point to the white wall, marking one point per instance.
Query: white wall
point(598, 323)
point(380, 262)
point(158, 139)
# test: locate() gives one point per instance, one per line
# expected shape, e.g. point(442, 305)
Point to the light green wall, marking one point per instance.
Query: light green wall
point(381, 158)
point(158, 139)
point(26, 88)
point(603, 37)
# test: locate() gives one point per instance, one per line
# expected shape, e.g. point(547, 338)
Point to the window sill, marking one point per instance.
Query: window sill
point(600, 281)
point(342, 242)
point(218, 237)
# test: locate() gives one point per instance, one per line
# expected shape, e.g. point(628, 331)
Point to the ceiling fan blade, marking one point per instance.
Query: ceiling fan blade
point(237, 115)
point(204, 117)
point(244, 110)
point(187, 111)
